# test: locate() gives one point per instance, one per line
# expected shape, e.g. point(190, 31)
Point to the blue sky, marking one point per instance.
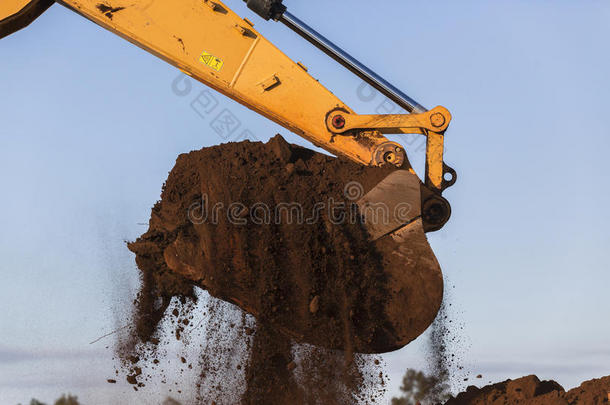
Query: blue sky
point(91, 127)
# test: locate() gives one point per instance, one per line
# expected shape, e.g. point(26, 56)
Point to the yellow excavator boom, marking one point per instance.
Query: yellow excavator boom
point(212, 44)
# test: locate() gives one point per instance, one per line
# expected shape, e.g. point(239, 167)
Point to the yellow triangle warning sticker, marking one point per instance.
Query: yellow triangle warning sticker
point(212, 61)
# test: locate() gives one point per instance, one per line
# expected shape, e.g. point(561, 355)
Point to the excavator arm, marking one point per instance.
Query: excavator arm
point(212, 44)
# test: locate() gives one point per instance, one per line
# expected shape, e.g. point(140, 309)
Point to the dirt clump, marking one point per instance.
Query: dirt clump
point(274, 229)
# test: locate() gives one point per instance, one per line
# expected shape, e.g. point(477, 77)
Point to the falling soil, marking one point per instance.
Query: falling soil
point(274, 229)
point(440, 358)
point(531, 391)
point(445, 352)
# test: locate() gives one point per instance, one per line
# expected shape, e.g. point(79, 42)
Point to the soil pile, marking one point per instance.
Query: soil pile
point(531, 391)
point(274, 229)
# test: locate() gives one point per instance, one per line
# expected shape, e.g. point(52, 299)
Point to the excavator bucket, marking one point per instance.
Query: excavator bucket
point(392, 216)
point(18, 14)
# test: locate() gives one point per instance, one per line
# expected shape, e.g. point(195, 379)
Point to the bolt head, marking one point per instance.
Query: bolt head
point(389, 157)
point(339, 121)
point(437, 120)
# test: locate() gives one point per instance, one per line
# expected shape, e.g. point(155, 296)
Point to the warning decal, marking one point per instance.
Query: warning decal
point(211, 61)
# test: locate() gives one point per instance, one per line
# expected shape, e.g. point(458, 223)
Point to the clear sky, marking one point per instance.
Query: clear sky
point(90, 128)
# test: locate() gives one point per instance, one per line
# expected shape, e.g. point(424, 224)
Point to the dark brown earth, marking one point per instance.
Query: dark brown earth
point(226, 223)
point(531, 391)
point(274, 229)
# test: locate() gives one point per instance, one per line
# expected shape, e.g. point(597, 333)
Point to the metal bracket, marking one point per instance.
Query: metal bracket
point(431, 124)
point(436, 120)
point(270, 83)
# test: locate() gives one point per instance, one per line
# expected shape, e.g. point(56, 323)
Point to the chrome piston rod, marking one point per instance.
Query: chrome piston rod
point(353, 65)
